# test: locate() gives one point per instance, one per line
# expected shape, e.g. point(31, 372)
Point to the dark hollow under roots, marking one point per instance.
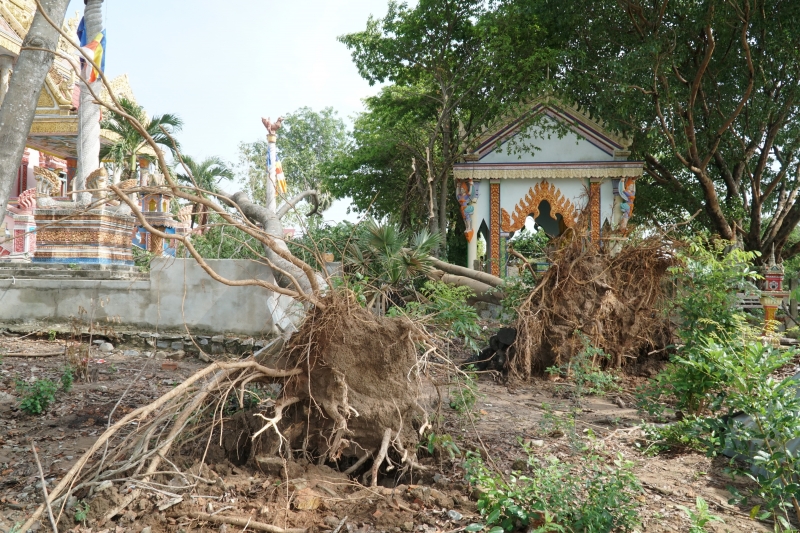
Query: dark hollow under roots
point(609, 298)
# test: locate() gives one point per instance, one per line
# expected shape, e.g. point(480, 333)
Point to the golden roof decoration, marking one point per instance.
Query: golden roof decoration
point(18, 14)
point(121, 87)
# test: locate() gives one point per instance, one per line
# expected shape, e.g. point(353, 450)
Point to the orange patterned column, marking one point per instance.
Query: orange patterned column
point(594, 210)
point(494, 223)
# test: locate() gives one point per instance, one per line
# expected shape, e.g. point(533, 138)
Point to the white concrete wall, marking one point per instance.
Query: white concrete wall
point(179, 296)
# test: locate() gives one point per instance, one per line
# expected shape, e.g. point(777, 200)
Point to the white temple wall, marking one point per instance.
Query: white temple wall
point(542, 145)
point(179, 296)
point(607, 203)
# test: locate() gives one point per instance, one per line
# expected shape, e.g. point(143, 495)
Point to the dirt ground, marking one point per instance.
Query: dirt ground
point(302, 495)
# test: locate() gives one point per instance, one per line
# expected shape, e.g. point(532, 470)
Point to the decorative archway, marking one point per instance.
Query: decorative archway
point(529, 205)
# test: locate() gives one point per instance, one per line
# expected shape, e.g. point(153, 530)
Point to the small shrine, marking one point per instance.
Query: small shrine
point(156, 210)
point(551, 163)
point(18, 230)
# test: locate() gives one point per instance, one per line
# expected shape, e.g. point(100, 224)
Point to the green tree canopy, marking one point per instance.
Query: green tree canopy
point(708, 90)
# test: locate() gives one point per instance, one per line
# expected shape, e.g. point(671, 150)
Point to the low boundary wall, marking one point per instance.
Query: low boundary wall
point(178, 295)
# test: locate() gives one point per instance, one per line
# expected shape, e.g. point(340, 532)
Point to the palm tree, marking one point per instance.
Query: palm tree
point(207, 174)
point(130, 144)
point(388, 259)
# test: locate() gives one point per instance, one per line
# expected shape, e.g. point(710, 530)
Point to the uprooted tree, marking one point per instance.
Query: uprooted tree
point(348, 380)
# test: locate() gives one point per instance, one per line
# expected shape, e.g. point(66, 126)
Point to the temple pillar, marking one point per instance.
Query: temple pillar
point(472, 251)
point(494, 228)
point(6, 67)
point(594, 209)
point(89, 112)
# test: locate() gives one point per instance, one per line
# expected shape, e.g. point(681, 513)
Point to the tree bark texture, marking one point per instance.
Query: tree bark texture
point(19, 105)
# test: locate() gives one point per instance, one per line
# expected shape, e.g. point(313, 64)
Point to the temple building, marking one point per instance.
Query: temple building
point(52, 144)
point(552, 163)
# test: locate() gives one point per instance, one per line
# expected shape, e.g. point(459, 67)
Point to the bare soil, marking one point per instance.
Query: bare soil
point(317, 497)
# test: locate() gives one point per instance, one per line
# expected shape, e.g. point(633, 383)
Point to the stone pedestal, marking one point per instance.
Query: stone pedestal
point(83, 237)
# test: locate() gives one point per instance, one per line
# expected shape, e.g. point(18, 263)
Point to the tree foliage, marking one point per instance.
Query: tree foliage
point(129, 145)
point(454, 66)
point(708, 91)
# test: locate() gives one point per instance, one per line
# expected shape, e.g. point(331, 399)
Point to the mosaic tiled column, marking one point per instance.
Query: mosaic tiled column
point(594, 209)
point(494, 223)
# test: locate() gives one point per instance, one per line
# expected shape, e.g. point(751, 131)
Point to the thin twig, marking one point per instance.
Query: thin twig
point(44, 488)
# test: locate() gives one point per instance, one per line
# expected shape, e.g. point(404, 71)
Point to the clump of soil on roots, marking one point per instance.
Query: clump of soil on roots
point(361, 385)
point(612, 298)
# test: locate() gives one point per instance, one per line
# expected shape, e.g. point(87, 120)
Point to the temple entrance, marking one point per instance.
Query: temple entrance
point(552, 225)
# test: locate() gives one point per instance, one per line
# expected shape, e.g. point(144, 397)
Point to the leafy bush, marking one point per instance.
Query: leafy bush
point(584, 369)
point(447, 307)
point(591, 496)
point(706, 283)
point(700, 517)
point(36, 396)
point(67, 378)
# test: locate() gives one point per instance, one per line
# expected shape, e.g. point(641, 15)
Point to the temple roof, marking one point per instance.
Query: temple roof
point(547, 139)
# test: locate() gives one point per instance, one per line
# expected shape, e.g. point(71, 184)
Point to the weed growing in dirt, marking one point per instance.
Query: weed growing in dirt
point(555, 425)
point(67, 378)
point(51, 335)
point(584, 369)
point(81, 511)
point(590, 496)
point(683, 435)
point(700, 516)
point(464, 391)
point(441, 445)
point(36, 396)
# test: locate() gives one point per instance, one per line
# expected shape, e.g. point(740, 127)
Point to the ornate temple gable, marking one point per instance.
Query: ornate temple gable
point(548, 131)
point(19, 15)
point(121, 87)
point(529, 205)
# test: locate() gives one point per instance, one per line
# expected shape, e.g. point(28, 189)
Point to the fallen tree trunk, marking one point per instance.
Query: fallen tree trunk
point(456, 270)
point(483, 292)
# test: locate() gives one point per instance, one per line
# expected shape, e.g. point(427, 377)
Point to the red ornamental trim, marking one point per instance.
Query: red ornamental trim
point(494, 220)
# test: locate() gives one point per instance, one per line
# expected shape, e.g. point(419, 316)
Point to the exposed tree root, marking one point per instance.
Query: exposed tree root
point(612, 297)
point(238, 521)
point(349, 382)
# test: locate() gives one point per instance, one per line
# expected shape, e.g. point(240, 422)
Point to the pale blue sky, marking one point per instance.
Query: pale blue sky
point(221, 65)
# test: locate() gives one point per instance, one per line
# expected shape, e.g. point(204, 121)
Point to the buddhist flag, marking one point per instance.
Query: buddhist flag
point(280, 180)
point(95, 50)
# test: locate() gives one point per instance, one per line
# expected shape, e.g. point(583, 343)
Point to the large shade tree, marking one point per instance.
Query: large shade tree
point(455, 66)
point(709, 92)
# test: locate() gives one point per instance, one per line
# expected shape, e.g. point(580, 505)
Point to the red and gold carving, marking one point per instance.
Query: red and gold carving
point(529, 205)
point(594, 210)
point(494, 220)
point(19, 240)
point(81, 236)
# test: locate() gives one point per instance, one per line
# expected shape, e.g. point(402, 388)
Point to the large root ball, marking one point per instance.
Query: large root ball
point(360, 388)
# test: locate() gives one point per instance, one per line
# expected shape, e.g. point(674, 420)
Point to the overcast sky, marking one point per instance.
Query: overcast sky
point(221, 66)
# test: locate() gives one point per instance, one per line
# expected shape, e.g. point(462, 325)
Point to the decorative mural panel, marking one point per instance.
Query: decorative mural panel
point(529, 205)
point(19, 240)
point(594, 210)
point(494, 194)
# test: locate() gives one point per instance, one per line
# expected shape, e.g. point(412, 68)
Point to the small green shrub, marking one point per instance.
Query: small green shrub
point(464, 391)
point(584, 369)
point(81, 511)
point(447, 308)
point(67, 378)
point(700, 516)
point(36, 396)
point(590, 496)
point(440, 445)
point(51, 335)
